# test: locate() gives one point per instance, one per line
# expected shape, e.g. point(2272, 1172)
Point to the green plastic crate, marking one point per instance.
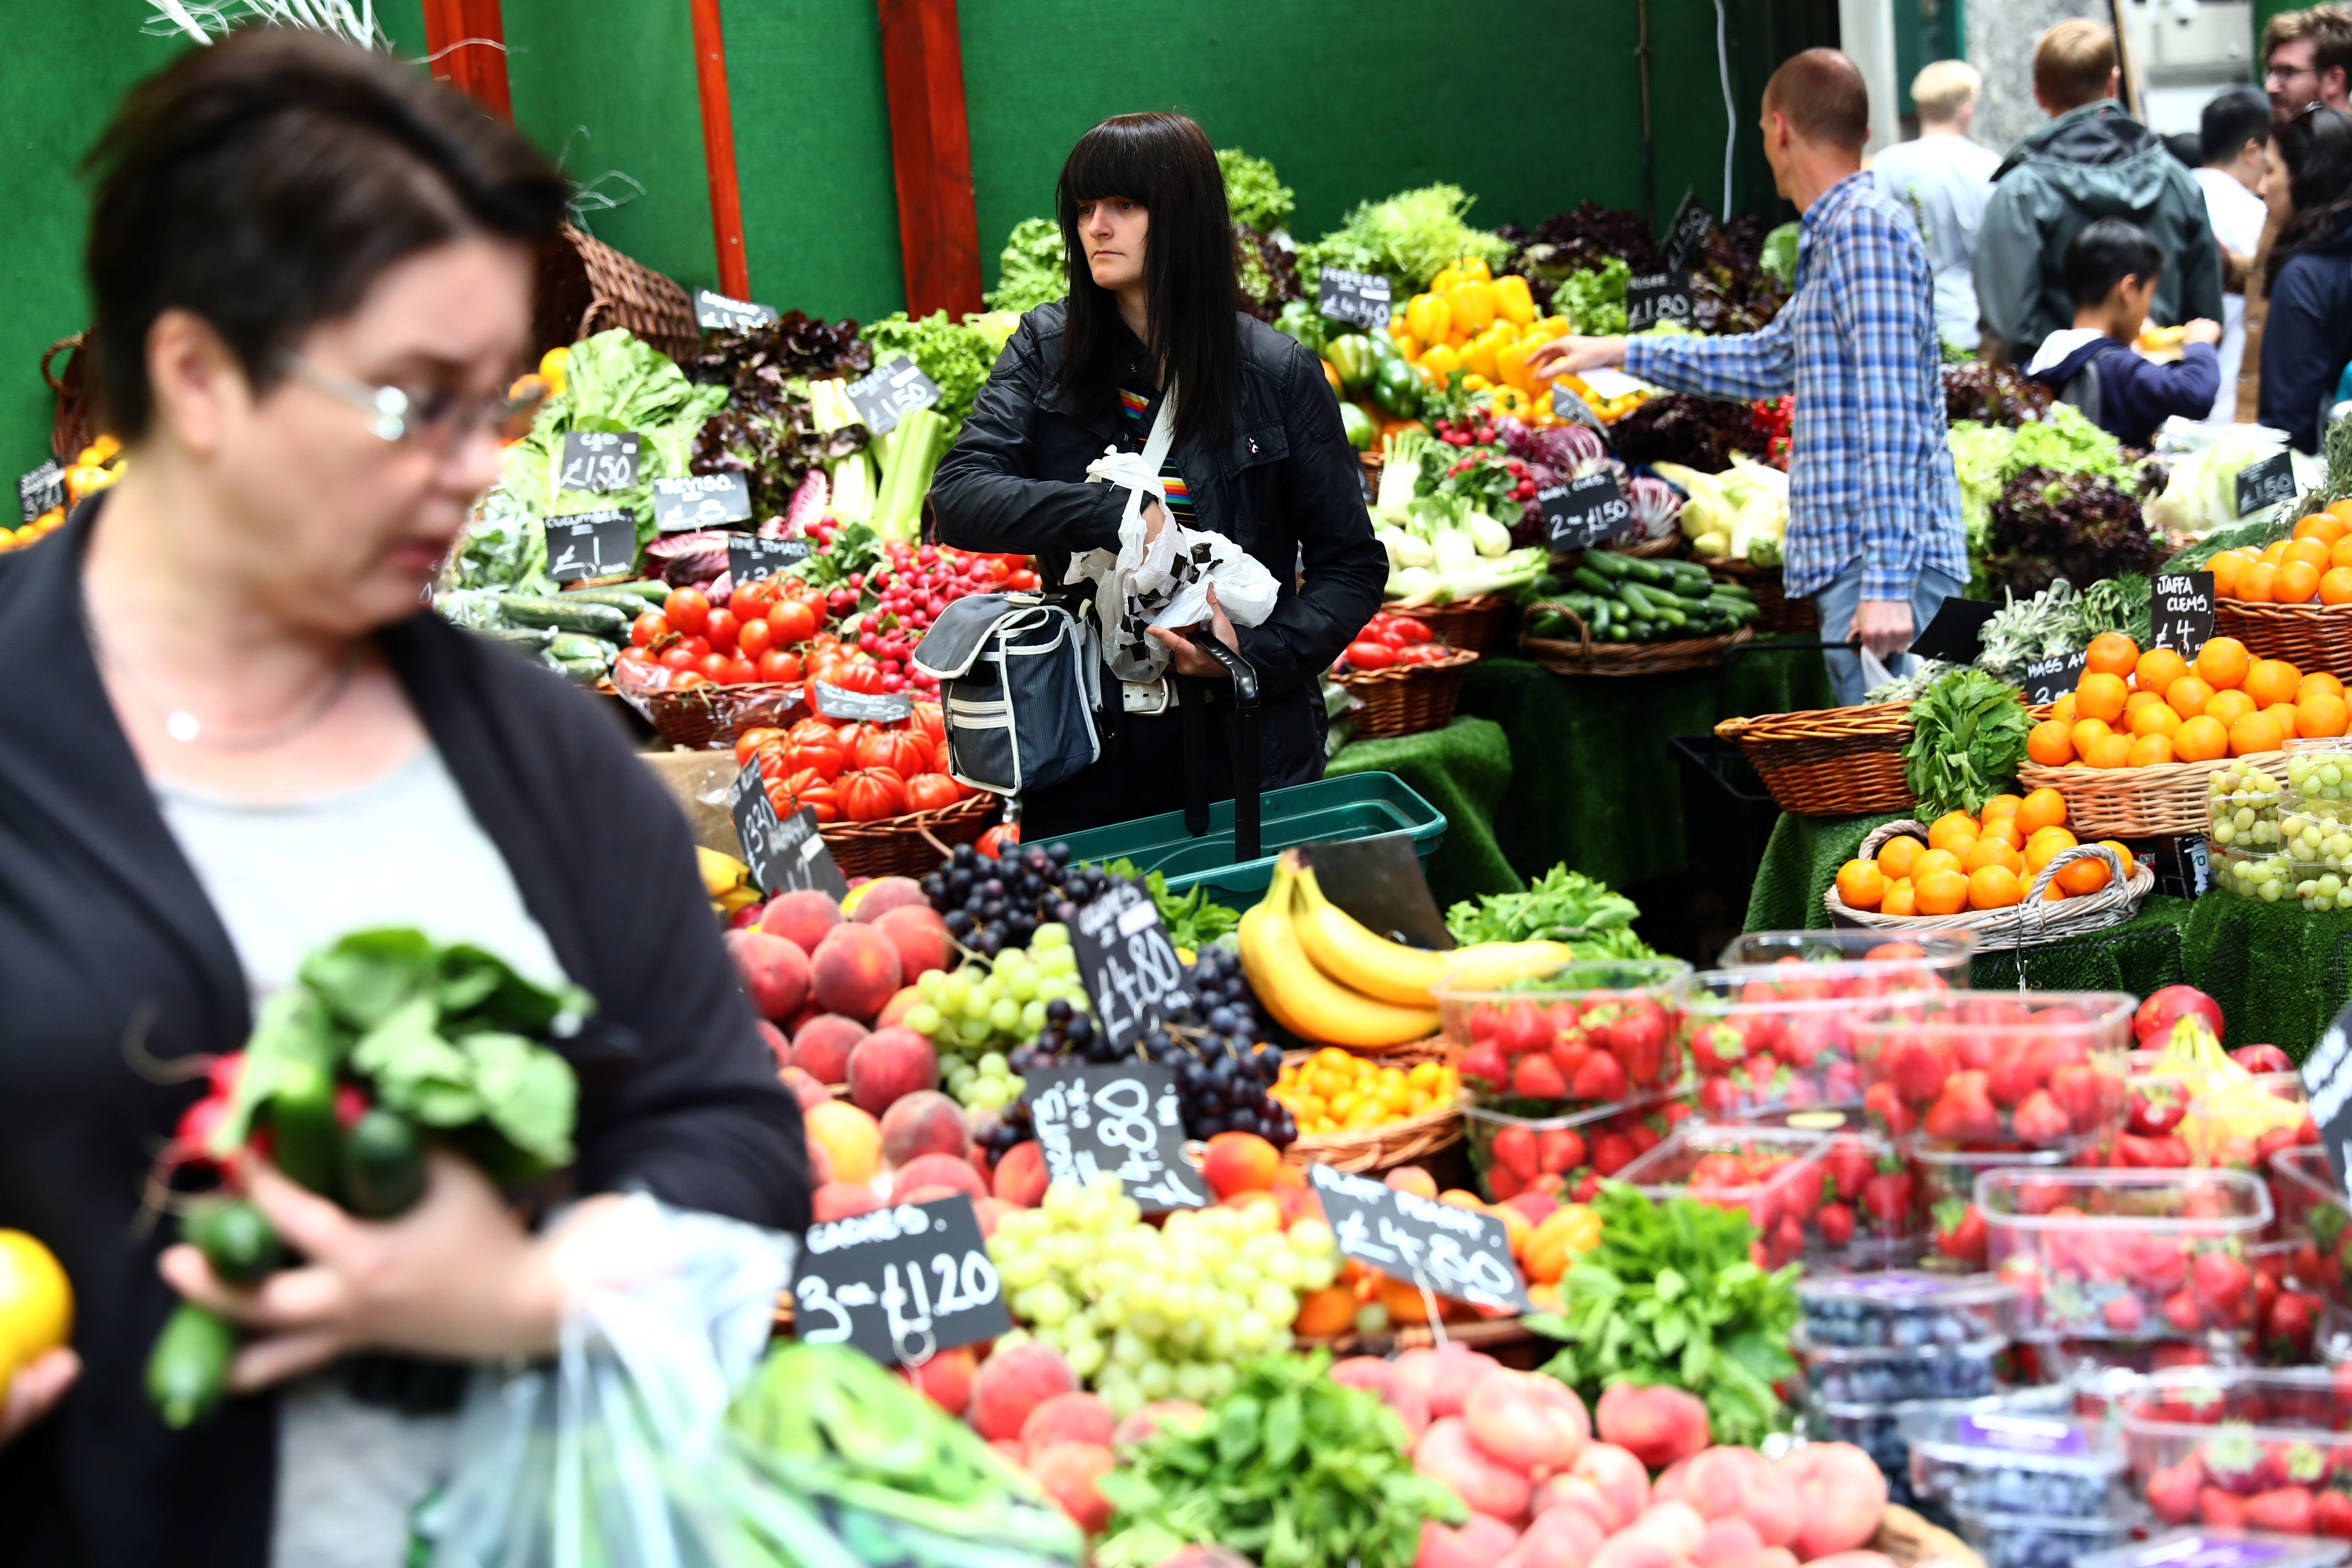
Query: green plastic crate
point(1358, 805)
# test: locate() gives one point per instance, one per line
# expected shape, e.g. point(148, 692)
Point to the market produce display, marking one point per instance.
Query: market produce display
point(2303, 567)
point(1621, 598)
point(1977, 862)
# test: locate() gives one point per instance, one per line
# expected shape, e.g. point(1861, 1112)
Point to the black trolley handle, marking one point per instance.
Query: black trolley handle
point(1192, 697)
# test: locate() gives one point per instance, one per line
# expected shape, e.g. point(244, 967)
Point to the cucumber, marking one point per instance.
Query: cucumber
point(572, 644)
point(1603, 618)
point(1547, 586)
point(1547, 625)
point(383, 1165)
point(1655, 603)
point(621, 599)
point(1580, 603)
point(235, 1238)
point(1593, 581)
point(303, 1131)
point(596, 620)
point(531, 638)
point(1643, 572)
point(187, 1371)
point(1737, 590)
point(584, 671)
point(1607, 563)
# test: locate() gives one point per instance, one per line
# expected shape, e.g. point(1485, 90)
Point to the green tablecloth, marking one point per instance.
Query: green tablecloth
point(1463, 769)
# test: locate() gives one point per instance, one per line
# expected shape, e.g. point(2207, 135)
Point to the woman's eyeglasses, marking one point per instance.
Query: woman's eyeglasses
point(438, 420)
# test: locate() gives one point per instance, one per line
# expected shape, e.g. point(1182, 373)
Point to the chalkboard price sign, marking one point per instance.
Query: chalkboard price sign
point(1452, 1252)
point(592, 544)
point(701, 501)
point(1687, 235)
point(1359, 299)
point(1656, 297)
point(717, 313)
point(2183, 611)
point(750, 558)
point(2048, 679)
point(597, 461)
point(1568, 405)
point(41, 489)
point(2327, 1084)
point(1124, 1119)
point(2266, 483)
point(785, 855)
point(864, 707)
point(886, 395)
point(901, 1283)
point(1128, 964)
point(1584, 512)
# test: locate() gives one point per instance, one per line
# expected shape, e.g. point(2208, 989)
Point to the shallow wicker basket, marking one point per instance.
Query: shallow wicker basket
point(585, 286)
point(75, 423)
point(1829, 761)
point(1475, 624)
point(2139, 802)
point(1406, 698)
point(1391, 1143)
point(1913, 1542)
point(704, 718)
point(1777, 615)
point(911, 845)
point(1585, 656)
point(2311, 637)
point(2035, 919)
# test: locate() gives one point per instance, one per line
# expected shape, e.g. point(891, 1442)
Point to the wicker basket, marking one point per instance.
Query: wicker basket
point(1479, 624)
point(1913, 1542)
point(705, 718)
point(2310, 637)
point(2139, 802)
point(1390, 1144)
point(1829, 761)
point(1585, 656)
point(911, 845)
point(1649, 549)
point(1777, 615)
point(1406, 698)
point(585, 286)
point(75, 424)
point(2033, 921)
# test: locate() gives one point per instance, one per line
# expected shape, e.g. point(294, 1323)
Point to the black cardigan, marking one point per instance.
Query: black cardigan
point(102, 922)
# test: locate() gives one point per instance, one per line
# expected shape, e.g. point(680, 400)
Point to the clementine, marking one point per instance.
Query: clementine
point(1898, 900)
point(2254, 733)
point(1989, 852)
point(1860, 884)
point(2151, 750)
point(2045, 808)
point(2044, 845)
point(2257, 583)
point(2109, 751)
point(2064, 708)
point(2319, 680)
point(2111, 653)
point(2187, 696)
point(2221, 663)
point(2101, 697)
point(1999, 805)
point(1994, 888)
point(2002, 830)
point(2156, 717)
point(1928, 862)
point(2227, 568)
point(1894, 856)
point(2201, 739)
point(2270, 680)
point(1940, 893)
point(1951, 826)
point(2322, 714)
point(2335, 585)
point(2228, 707)
point(2047, 743)
point(2340, 552)
point(2297, 582)
point(2080, 877)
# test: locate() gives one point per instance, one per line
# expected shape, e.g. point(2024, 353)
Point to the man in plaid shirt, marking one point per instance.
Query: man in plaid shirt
point(1875, 532)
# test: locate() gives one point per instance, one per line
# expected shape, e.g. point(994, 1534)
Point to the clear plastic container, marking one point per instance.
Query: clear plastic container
point(2051, 1069)
point(2033, 1540)
point(1944, 1195)
point(1877, 1430)
point(2126, 1254)
point(1781, 1179)
point(2240, 1124)
point(1591, 1033)
point(2194, 1431)
point(2223, 1549)
point(2247, 822)
point(2292, 1313)
point(1842, 1376)
point(1904, 1311)
point(2320, 769)
point(1858, 961)
point(2160, 1101)
point(2275, 877)
point(2318, 833)
point(1568, 1154)
point(2006, 1461)
point(2243, 781)
point(2312, 1212)
point(1772, 1031)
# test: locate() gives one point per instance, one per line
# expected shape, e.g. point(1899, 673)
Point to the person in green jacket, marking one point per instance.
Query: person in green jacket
point(2091, 162)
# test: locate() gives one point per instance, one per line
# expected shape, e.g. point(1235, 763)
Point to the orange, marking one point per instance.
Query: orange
point(2310, 551)
point(2140, 698)
point(2187, 696)
point(2044, 845)
point(2109, 751)
point(2254, 733)
point(2274, 552)
point(2081, 876)
point(2200, 740)
point(2324, 527)
point(2296, 584)
point(2064, 708)
point(2045, 808)
point(2340, 552)
point(1994, 888)
point(2151, 750)
point(2228, 707)
point(2227, 568)
point(2336, 584)
point(1999, 805)
point(2322, 714)
point(1940, 893)
point(2282, 714)
point(2054, 892)
point(1894, 856)
point(2111, 653)
point(2085, 731)
point(2342, 509)
point(1899, 900)
point(1860, 884)
point(1952, 824)
point(2221, 663)
point(2155, 719)
point(2047, 743)
point(2258, 582)
point(1989, 852)
point(2101, 697)
point(2270, 680)
point(2123, 852)
point(2319, 680)
point(1928, 862)
point(2003, 830)
point(2158, 668)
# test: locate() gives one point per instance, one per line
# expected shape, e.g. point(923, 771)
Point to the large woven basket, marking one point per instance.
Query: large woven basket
point(703, 718)
point(585, 286)
point(1406, 698)
point(75, 423)
point(1585, 656)
point(1390, 1144)
point(911, 845)
point(2310, 637)
point(2036, 919)
point(1777, 615)
point(1829, 761)
point(2139, 802)
point(1475, 624)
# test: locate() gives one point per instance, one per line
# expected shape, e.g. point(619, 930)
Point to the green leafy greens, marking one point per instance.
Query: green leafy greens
point(1968, 736)
point(1252, 195)
point(957, 356)
point(1594, 299)
point(1032, 270)
point(1409, 238)
point(1560, 905)
point(615, 381)
point(1191, 920)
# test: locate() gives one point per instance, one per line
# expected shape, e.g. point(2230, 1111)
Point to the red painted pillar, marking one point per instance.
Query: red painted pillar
point(719, 152)
point(930, 154)
point(477, 69)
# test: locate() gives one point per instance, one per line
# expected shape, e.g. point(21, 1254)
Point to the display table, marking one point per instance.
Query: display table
point(1463, 769)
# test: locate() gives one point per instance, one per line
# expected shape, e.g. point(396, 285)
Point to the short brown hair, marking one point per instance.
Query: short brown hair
point(2329, 28)
point(2074, 64)
point(1821, 95)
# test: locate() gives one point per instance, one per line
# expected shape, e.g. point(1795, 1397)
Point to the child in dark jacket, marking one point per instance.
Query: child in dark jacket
point(2111, 271)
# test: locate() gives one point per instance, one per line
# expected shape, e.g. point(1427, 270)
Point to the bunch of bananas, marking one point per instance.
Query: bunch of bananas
point(1328, 977)
point(727, 880)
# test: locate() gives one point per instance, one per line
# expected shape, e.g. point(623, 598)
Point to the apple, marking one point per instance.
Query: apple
point(2152, 1025)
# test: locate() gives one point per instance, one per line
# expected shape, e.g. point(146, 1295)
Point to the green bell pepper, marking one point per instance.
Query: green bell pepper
point(1397, 387)
point(1352, 355)
point(1298, 320)
point(1357, 426)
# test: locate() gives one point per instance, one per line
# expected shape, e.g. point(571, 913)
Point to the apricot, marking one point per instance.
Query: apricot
point(1412, 1179)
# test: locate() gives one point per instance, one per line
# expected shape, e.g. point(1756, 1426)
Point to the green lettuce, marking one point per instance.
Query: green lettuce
point(1252, 195)
point(957, 356)
point(1032, 271)
point(1594, 299)
point(1408, 238)
point(614, 381)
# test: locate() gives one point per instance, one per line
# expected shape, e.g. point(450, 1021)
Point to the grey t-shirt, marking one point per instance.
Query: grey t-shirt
point(286, 880)
point(1945, 181)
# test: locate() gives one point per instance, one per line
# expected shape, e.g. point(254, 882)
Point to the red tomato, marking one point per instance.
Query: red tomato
point(788, 622)
point(1423, 653)
point(825, 759)
point(997, 838)
point(755, 638)
point(713, 666)
point(819, 798)
point(865, 678)
point(869, 794)
point(1366, 653)
point(930, 792)
point(645, 627)
point(1411, 630)
point(1023, 581)
point(927, 718)
point(820, 731)
point(686, 610)
point(637, 657)
point(678, 657)
point(720, 627)
point(900, 751)
point(687, 679)
point(750, 740)
point(740, 671)
point(778, 665)
point(751, 601)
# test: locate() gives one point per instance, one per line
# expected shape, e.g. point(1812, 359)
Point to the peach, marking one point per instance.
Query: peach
point(1730, 1543)
point(1203, 1557)
point(1676, 1524)
point(779, 1044)
point(945, 1170)
point(1012, 1382)
point(1620, 1477)
point(840, 1200)
point(853, 971)
point(806, 1089)
point(1776, 1557)
point(821, 1047)
point(1146, 1419)
point(1527, 1420)
point(1564, 1537)
point(801, 918)
point(946, 1379)
point(924, 1122)
point(921, 938)
point(1853, 1559)
point(1239, 1162)
point(774, 973)
point(1839, 1494)
point(1771, 1507)
point(1446, 1453)
point(1657, 1424)
point(883, 894)
point(1717, 1482)
point(1010, 1450)
point(888, 1064)
point(1068, 1419)
point(852, 1139)
point(1633, 1549)
point(1536, 1205)
point(1369, 1371)
point(988, 1211)
point(820, 1163)
point(903, 1001)
point(1021, 1176)
point(1412, 1179)
point(1066, 1471)
point(1443, 1376)
point(1577, 1492)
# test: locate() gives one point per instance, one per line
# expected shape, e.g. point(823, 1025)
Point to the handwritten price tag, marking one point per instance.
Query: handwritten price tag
point(1128, 964)
point(901, 1283)
point(750, 558)
point(1584, 512)
point(592, 544)
point(863, 706)
point(1452, 1252)
point(2266, 483)
point(41, 489)
point(717, 313)
point(1656, 297)
point(1359, 299)
point(786, 854)
point(597, 461)
point(2183, 611)
point(1124, 1119)
point(890, 394)
point(2048, 679)
point(701, 501)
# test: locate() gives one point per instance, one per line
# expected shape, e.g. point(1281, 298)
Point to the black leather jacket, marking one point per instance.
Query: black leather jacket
point(1286, 487)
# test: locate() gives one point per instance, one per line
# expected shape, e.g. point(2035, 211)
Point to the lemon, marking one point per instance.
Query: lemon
point(36, 1301)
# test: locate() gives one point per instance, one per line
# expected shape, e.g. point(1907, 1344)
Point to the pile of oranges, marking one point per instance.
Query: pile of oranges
point(1976, 862)
point(2315, 562)
point(2135, 710)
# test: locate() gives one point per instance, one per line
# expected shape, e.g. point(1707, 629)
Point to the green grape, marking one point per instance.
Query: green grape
point(1155, 1379)
point(996, 1064)
point(1086, 1358)
point(923, 1018)
point(954, 992)
point(1005, 1015)
point(1033, 1020)
point(1196, 1381)
point(1050, 935)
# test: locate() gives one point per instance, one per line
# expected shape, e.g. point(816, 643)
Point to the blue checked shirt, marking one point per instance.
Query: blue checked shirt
point(1870, 471)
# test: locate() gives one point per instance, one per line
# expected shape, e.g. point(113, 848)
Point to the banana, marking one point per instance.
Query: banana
point(722, 873)
point(1345, 949)
point(1493, 963)
point(1306, 1000)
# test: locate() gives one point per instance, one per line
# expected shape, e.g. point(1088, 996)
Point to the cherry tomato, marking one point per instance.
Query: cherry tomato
point(777, 664)
point(754, 639)
point(1409, 630)
point(740, 671)
point(680, 656)
point(647, 628)
point(712, 665)
point(721, 628)
point(686, 610)
point(999, 837)
point(790, 621)
point(1366, 653)
point(698, 646)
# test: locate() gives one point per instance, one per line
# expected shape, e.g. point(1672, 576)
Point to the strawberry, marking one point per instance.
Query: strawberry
point(2153, 1264)
point(1763, 1032)
point(2287, 1331)
point(1712, 1173)
point(2218, 1507)
point(2233, 1459)
point(2172, 1491)
point(1638, 1040)
point(2221, 1282)
point(1887, 1198)
point(1504, 1184)
point(1788, 1240)
point(1808, 1037)
point(1524, 1027)
point(1959, 1230)
point(2039, 1120)
point(1719, 1096)
point(1849, 1166)
point(2331, 1514)
point(2035, 1197)
point(2011, 1078)
point(2122, 1314)
point(1569, 1054)
point(1883, 1103)
point(2180, 1311)
point(2156, 1108)
point(1559, 1149)
point(2285, 1510)
point(2078, 1089)
point(1611, 1153)
point(1601, 1078)
point(2294, 1464)
point(1643, 1136)
point(1917, 1068)
point(1485, 1063)
point(1515, 1150)
point(1835, 1221)
point(1963, 1112)
point(1587, 1186)
point(1538, 1078)
point(1717, 1047)
point(1800, 1187)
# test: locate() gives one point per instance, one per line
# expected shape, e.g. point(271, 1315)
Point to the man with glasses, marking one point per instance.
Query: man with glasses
point(2306, 56)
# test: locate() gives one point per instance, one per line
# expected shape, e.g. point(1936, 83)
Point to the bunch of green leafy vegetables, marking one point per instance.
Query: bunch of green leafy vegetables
point(450, 1037)
point(1671, 1295)
point(1254, 194)
point(614, 381)
point(1594, 300)
point(1408, 238)
point(1968, 737)
point(2119, 604)
point(1988, 458)
point(957, 355)
point(1290, 1470)
point(1034, 269)
point(2080, 526)
point(1191, 920)
point(1561, 905)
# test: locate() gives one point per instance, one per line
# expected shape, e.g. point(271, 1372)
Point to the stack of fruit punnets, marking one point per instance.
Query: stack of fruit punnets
point(2241, 1448)
point(1566, 1155)
point(1975, 1068)
point(2313, 1209)
point(1593, 1032)
point(2029, 1491)
point(2267, 843)
point(1848, 1212)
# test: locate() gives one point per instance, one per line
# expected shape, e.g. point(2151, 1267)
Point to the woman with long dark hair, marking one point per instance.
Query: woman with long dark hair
point(1259, 456)
point(2307, 336)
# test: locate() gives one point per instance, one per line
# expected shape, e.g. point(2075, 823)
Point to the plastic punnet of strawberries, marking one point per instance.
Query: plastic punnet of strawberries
point(1804, 1192)
point(1567, 1157)
point(2244, 1448)
point(1594, 1047)
point(1972, 1068)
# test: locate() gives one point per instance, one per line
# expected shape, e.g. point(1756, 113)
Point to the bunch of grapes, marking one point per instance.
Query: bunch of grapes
point(990, 905)
point(991, 1004)
point(1143, 1313)
point(988, 1084)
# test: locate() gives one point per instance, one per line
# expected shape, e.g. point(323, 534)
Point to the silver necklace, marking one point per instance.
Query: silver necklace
point(188, 730)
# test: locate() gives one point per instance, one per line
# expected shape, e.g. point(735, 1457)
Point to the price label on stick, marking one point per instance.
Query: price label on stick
point(2266, 483)
point(1359, 299)
point(1656, 297)
point(786, 854)
point(583, 545)
point(1955, 633)
point(1452, 1252)
point(864, 707)
point(1584, 512)
point(888, 394)
point(40, 490)
point(1128, 964)
point(717, 313)
point(1124, 1117)
point(1568, 405)
point(2183, 609)
point(2327, 1084)
point(597, 461)
point(701, 501)
point(2048, 679)
point(750, 558)
point(1686, 234)
point(901, 1283)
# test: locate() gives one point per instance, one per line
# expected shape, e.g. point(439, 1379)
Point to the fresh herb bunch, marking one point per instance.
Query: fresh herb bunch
point(2079, 526)
point(1560, 905)
point(2039, 626)
point(1191, 920)
point(1968, 736)
point(1672, 1295)
point(1033, 270)
point(2121, 603)
point(1290, 1470)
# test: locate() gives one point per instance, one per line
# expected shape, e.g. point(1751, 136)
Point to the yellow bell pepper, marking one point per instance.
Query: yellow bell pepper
point(1512, 300)
point(1474, 268)
point(1476, 383)
point(1472, 305)
point(1441, 360)
point(1447, 277)
point(1407, 345)
point(1428, 318)
point(1552, 327)
point(1511, 359)
point(1512, 401)
point(1478, 358)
